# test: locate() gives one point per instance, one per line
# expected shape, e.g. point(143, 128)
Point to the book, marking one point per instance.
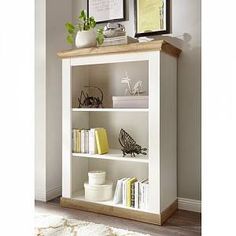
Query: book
point(118, 41)
point(133, 194)
point(92, 142)
point(136, 193)
point(141, 194)
point(128, 189)
point(118, 192)
point(78, 137)
point(101, 140)
point(146, 195)
point(84, 141)
point(124, 191)
point(74, 138)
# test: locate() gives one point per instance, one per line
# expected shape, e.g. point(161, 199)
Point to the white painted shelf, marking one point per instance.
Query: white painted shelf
point(115, 155)
point(110, 109)
point(80, 196)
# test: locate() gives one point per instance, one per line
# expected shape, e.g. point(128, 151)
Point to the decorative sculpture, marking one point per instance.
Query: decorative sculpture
point(137, 88)
point(86, 101)
point(129, 145)
point(114, 30)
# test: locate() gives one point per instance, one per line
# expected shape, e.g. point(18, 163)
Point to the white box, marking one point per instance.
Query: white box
point(97, 193)
point(130, 101)
point(96, 177)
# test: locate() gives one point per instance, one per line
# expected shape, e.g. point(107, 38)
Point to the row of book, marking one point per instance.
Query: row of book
point(92, 141)
point(132, 193)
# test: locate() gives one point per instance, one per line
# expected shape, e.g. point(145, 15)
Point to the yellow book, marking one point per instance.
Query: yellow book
point(78, 140)
point(101, 140)
point(128, 189)
point(74, 138)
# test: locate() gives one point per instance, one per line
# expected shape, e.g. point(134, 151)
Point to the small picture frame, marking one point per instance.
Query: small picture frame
point(106, 10)
point(152, 17)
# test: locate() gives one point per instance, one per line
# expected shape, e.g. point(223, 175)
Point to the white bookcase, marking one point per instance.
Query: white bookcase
point(155, 63)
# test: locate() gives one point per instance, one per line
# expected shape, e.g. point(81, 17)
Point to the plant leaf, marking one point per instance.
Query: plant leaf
point(83, 15)
point(92, 22)
point(70, 39)
point(100, 36)
point(70, 27)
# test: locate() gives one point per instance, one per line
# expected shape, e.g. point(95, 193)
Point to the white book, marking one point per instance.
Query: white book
point(136, 197)
point(145, 187)
point(83, 141)
point(141, 195)
point(124, 193)
point(86, 142)
point(92, 142)
point(146, 195)
point(118, 192)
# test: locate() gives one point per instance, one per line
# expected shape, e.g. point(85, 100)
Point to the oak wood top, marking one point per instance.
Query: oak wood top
point(155, 45)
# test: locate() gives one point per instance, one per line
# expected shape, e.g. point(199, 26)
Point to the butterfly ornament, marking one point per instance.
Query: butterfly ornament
point(129, 145)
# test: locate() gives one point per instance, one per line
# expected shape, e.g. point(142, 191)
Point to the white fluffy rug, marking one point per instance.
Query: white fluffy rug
point(51, 225)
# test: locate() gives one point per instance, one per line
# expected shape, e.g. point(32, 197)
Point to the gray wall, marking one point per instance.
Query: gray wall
point(49, 39)
point(186, 34)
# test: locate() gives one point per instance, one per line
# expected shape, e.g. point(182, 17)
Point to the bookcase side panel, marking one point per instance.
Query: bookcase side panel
point(168, 141)
point(66, 128)
point(154, 131)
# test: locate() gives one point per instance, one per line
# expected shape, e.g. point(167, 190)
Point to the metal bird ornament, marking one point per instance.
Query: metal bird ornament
point(87, 101)
point(129, 145)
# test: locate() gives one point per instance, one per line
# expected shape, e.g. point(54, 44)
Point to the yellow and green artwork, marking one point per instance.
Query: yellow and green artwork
point(151, 16)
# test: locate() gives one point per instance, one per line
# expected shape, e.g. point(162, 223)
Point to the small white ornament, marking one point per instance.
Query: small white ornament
point(136, 89)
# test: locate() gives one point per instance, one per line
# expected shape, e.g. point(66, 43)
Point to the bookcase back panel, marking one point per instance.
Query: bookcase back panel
point(80, 78)
point(80, 120)
point(134, 123)
point(108, 78)
point(80, 168)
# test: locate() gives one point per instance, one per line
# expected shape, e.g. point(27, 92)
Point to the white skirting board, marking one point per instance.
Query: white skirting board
point(189, 204)
point(40, 194)
point(50, 194)
point(53, 193)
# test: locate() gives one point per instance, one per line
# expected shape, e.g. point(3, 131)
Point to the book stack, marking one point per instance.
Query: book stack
point(118, 40)
point(92, 141)
point(132, 193)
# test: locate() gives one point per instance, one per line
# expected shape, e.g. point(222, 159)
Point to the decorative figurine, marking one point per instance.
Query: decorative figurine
point(137, 88)
point(129, 146)
point(86, 101)
point(114, 30)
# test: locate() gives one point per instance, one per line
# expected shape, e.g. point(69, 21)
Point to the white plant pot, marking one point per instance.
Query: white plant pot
point(85, 39)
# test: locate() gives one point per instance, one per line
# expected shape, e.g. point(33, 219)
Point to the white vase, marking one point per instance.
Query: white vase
point(85, 39)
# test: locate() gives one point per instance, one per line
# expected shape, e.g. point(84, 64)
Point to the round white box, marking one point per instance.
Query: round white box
point(97, 193)
point(96, 177)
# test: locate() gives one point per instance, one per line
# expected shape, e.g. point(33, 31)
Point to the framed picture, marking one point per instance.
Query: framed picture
point(152, 17)
point(106, 10)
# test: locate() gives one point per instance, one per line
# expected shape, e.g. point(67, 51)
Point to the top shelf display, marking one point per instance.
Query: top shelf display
point(123, 85)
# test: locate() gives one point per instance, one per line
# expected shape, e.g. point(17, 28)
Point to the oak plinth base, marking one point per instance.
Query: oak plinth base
point(146, 217)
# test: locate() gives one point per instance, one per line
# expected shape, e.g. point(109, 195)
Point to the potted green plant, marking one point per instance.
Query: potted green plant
point(83, 32)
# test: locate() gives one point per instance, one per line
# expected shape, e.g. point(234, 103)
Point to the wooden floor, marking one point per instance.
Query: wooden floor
point(181, 223)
